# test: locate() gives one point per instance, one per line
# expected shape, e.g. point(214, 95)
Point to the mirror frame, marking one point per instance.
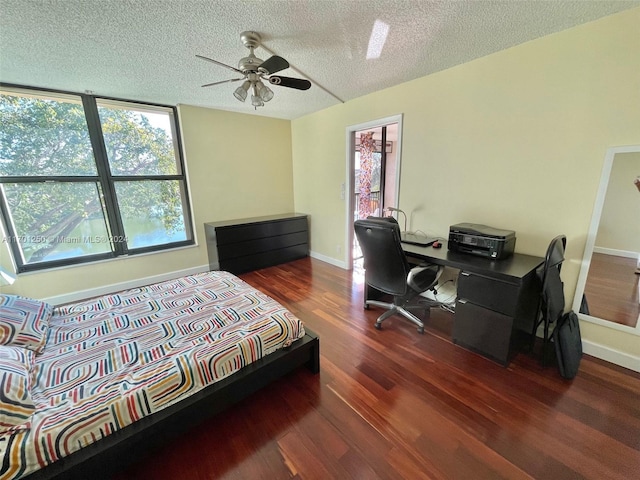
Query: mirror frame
point(591, 240)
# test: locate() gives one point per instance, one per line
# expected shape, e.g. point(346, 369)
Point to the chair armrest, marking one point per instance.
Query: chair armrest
point(416, 271)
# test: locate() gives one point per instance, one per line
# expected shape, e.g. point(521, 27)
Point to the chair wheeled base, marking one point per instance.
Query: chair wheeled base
point(388, 271)
point(401, 309)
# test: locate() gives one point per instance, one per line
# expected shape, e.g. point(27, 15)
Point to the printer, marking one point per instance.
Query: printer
point(481, 240)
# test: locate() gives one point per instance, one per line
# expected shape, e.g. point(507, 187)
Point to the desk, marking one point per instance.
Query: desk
point(497, 302)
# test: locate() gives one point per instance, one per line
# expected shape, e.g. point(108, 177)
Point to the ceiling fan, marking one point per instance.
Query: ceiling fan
point(254, 70)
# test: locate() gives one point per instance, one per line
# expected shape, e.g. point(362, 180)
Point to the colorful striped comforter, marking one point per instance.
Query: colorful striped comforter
point(112, 360)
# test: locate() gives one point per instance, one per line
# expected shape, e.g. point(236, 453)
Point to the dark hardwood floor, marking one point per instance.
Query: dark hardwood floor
point(397, 404)
point(612, 289)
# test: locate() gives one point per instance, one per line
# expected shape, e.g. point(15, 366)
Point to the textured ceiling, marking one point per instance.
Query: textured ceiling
point(145, 50)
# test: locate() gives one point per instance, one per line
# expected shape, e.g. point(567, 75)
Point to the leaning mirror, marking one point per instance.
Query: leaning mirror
point(608, 292)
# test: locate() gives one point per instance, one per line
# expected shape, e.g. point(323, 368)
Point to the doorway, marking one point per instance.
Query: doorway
point(373, 170)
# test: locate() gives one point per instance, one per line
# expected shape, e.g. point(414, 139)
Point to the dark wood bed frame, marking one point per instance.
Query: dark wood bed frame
point(113, 453)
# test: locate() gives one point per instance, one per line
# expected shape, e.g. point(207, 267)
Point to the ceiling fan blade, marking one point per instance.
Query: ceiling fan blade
point(297, 83)
point(219, 63)
point(223, 81)
point(273, 64)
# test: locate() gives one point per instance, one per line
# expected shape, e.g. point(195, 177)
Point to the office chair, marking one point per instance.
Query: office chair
point(387, 270)
point(551, 303)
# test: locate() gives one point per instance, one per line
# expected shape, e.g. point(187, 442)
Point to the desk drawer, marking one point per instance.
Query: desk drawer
point(488, 292)
point(483, 330)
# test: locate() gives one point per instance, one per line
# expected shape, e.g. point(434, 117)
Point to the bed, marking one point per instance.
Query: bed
point(85, 384)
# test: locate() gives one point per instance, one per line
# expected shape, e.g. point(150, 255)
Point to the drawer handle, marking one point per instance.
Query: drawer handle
point(465, 274)
point(462, 300)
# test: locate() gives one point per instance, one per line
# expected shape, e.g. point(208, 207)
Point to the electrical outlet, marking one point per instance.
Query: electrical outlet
point(342, 190)
point(338, 248)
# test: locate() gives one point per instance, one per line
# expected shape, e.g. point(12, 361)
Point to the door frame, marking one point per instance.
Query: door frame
point(350, 174)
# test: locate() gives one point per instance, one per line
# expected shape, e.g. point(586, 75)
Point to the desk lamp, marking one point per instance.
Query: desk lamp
point(392, 209)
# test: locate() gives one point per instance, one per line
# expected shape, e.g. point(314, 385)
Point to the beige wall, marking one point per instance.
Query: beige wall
point(238, 166)
point(514, 140)
point(619, 227)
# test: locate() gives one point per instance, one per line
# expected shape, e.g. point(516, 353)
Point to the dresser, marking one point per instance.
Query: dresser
point(246, 244)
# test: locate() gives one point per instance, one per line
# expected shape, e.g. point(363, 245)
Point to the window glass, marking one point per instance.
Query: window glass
point(138, 142)
point(83, 178)
point(44, 136)
point(152, 212)
point(63, 220)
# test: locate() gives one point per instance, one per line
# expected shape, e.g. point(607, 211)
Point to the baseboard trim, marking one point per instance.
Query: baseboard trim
point(611, 355)
point(332, 261)
point(116, 287)
point(616, 253)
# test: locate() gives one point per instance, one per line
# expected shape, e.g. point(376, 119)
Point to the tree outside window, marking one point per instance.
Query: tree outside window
point(84, 178)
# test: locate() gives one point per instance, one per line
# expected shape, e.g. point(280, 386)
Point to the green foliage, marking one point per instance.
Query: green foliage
point(41, 137)
point(134, 146)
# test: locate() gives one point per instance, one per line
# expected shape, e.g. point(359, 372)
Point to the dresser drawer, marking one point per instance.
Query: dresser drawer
point(261, 245)
point(241, 233)
point(247, 263)
point(488, 292)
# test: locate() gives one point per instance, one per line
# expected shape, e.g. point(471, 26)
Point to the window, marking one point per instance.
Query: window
point(84, 178)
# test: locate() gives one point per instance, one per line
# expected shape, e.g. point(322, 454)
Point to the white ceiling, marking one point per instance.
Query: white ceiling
point(145, 49)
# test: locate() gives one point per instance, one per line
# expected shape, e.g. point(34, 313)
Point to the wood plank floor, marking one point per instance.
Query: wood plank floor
point(394, 404)
point(612, 289)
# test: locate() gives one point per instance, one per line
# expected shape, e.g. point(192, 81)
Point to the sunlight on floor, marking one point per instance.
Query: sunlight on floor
point(358, 271)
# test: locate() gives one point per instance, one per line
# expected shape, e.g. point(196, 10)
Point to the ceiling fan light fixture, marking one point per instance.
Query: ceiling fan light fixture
point(256, 101)
point(254, 71)
point(264, 92)
point(241, 92)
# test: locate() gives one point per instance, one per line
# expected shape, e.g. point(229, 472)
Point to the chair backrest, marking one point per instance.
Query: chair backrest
point(384, 260)
point(552, 286)
point(555, 252)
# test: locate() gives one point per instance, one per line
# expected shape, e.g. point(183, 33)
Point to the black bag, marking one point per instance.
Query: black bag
point(568, 343)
